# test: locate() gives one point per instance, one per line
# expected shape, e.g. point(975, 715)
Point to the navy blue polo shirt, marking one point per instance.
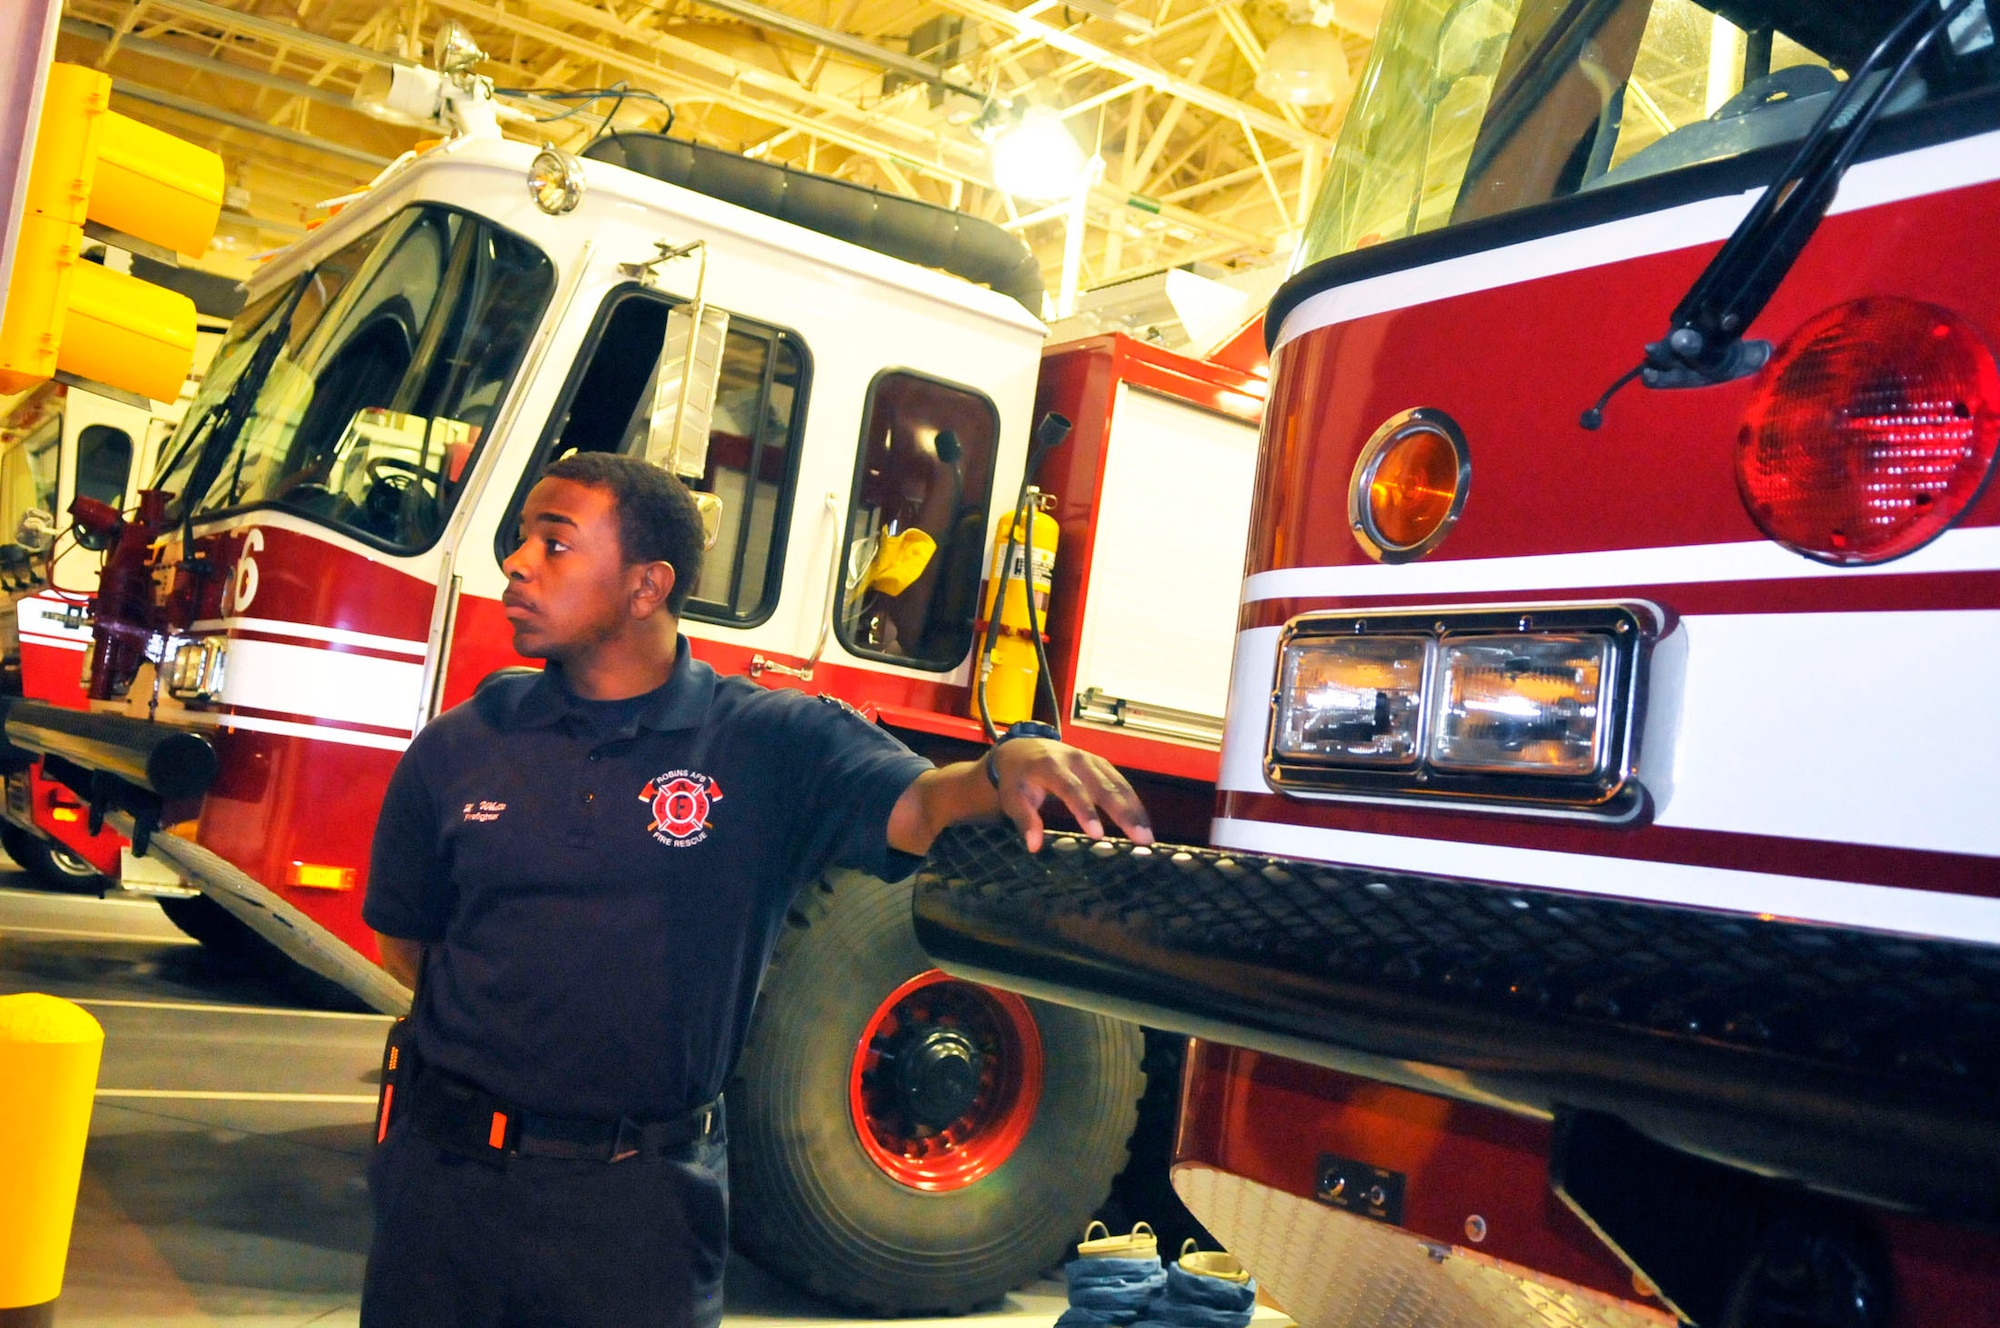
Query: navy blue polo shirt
point(601, 885)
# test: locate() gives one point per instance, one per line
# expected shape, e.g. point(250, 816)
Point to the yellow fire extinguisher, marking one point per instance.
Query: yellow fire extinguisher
point(1010, 667)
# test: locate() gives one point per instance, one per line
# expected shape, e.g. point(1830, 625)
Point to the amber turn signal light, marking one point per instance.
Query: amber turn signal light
point(1409, 485)
point(320, 876)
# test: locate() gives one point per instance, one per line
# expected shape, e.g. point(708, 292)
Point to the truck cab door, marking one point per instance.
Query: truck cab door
point(729, 426)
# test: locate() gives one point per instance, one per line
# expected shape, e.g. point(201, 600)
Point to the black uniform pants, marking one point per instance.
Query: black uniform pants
point(530, 1242)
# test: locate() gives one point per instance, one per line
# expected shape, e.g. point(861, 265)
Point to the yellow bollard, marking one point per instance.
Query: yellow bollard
point(49, 1050)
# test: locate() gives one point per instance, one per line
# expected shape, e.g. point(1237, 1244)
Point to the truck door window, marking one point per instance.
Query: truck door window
point(103, 463)
point(44, 453)
point(1474, 108)
point(752, 441)
point(28, 474)
point(916, 524)
point(396, 357)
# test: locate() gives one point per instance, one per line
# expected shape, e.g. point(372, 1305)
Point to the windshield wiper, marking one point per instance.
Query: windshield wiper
point(226, 420)
point(1704, 344)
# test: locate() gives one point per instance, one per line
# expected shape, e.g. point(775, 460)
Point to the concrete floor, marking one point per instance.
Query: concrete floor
point(223, 1182)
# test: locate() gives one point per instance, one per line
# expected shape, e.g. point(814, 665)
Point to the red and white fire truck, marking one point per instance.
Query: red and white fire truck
point(58, 443)
point(1601, 922)
point(315, 574)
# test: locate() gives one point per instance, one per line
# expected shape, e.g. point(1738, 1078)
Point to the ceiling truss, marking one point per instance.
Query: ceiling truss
point(1196, 166)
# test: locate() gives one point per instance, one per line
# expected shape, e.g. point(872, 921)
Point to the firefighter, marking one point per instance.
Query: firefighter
point(582, 873)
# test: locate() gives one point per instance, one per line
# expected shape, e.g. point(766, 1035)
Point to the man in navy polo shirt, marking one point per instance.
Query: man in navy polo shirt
point(589, 866)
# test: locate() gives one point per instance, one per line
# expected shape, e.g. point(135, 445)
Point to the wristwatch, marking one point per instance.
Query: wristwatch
point(1027, 728)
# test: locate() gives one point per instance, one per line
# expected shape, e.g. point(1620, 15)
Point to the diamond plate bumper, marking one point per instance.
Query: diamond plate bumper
point(1857, 1063)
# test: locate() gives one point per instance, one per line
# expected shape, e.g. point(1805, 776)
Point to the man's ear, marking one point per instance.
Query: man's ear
point(652, 585)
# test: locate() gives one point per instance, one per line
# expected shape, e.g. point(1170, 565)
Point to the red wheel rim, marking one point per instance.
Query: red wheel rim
point(984, 1048)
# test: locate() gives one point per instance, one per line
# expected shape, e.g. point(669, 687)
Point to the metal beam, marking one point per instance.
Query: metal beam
point(203, 111)
point(728, 74)
point(154, 50)
point(1201, 140)
point(282, 33)
point(1143, 170)
point(987, 11)
point(284, 228)
point(1213, 183)
point(921, 70)
point(728, 71)
point(1270, 181)
point(1103, 98)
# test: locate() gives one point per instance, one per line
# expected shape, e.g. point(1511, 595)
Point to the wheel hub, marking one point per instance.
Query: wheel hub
point(945, 1082)
point(937, 1072)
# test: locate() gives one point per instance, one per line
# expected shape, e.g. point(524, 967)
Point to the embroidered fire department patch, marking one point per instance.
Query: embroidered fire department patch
point(680, 801)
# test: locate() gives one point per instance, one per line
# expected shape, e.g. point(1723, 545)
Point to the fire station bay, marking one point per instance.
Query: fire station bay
point(1023, 663)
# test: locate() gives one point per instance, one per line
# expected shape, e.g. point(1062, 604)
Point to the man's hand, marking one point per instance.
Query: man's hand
point(1030, 771)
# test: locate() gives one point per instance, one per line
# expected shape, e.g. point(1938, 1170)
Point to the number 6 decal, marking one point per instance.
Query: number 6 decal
point(245, 585)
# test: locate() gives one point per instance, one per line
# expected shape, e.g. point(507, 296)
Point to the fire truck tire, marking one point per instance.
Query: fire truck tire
point(219, 932)
point(812, 1204)
point(50, 864)
point(231, 943)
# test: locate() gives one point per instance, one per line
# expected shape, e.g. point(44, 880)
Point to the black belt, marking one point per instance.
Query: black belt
point(466, 1119)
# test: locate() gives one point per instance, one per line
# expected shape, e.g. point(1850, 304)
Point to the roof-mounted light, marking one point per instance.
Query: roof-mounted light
point(555, 181)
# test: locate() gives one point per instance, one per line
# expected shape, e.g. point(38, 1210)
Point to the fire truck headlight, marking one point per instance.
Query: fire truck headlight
point(185, 671)
point(1522, 704)
point(1351, 699)
point(197, 668)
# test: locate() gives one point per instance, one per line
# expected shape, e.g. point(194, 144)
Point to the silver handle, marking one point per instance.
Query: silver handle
point(759, 664)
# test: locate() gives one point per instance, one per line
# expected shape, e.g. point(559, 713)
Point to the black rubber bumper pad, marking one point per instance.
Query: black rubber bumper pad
point(1855, 1062)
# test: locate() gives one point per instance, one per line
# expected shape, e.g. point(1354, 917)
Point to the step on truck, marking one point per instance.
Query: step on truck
point(850, 382)
point(1601, 920)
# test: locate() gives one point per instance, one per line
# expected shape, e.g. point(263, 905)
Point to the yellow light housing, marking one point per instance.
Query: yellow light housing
point(320, 876)
point(1409, 485)
point(64, 314)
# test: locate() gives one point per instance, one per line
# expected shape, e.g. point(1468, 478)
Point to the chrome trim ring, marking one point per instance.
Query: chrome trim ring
point(1422, 419)
point(554, 167)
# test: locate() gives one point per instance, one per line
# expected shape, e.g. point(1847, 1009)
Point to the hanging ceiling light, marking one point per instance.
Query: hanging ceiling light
point(1034, 156)
point(1305, 65)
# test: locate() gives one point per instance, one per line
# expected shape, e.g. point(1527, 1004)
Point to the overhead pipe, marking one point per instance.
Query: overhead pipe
point(836, 40)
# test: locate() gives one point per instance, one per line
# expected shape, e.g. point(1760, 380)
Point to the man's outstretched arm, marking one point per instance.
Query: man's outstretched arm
point(401, 958)
point(1030, 770)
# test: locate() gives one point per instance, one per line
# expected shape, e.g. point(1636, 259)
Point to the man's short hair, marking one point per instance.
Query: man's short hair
point(657, 518)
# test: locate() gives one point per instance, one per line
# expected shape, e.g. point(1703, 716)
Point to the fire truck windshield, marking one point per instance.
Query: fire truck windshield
point(393, 360)
point(1474, 108)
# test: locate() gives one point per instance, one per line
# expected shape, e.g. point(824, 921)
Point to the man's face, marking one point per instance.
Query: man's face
point(569, 587)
